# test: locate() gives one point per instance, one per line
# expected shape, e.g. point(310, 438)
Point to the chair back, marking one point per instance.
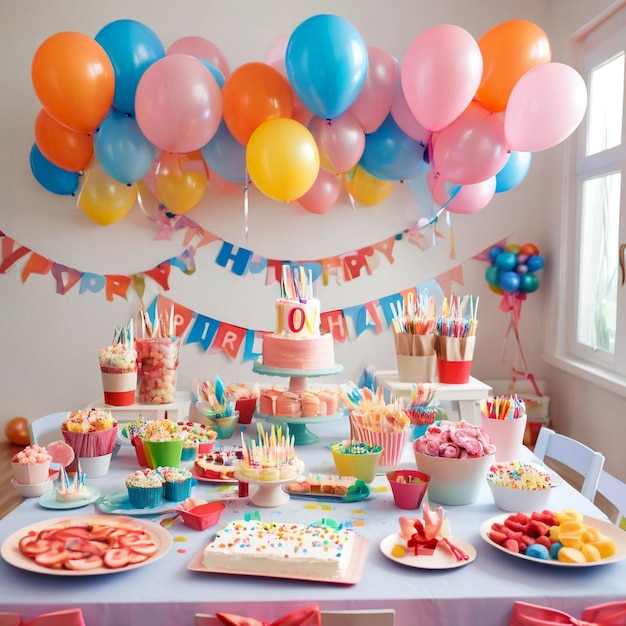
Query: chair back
point(575, 455)
point(614, 490)
point(47, 429)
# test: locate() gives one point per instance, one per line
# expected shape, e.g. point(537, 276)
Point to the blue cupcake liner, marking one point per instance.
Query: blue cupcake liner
point(145, 497)
point(177, 491)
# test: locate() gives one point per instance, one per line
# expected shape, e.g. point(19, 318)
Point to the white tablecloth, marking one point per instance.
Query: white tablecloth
point(167, 593)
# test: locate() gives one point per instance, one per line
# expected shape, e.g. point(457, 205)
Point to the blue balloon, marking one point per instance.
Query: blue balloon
point(514, 171)
point(51, 176)
point(217, 73)
point(535, 262)
point(390, 154)
point(132, 48)
point(226, 156)
point(509, 282)
point(122, 149)
point(494, 252)
point(506, 261)
point(326, 61)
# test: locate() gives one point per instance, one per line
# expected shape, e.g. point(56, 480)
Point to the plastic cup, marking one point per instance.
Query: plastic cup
point(454, 372)
point(361, 466)
point(224, 426)
point(408, 487)
point(139, 451)
point(163, 453)
point(27, 474)
point(119, 386)
point(246, 409)
point(507, 435)
point(416, 369)
point(159, 367)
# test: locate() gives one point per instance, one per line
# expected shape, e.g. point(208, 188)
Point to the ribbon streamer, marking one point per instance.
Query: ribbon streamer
point(609, 614)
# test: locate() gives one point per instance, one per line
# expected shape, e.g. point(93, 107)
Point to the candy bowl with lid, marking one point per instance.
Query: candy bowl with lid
point(521, 486)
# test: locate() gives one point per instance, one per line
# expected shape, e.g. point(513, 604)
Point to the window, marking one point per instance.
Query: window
point(598, 335)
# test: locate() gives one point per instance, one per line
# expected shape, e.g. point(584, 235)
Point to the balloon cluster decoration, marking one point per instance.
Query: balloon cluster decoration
point(513, 269)
point(323, 112)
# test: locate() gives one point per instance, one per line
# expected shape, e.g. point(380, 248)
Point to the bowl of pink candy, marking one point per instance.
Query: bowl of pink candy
point(457, 456)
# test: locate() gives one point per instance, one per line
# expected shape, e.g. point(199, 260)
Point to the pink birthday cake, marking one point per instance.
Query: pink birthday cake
point(297, 343)
point(283, 549)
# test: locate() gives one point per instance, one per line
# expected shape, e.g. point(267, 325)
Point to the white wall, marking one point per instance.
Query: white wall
point(50, 341)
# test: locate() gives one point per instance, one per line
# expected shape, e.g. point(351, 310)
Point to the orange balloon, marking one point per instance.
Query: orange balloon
point(529, 249)
point(254, 93)
point(16, 431)
point(181, 181)
point(509, 50)
point(62, 146)
point(74, 80)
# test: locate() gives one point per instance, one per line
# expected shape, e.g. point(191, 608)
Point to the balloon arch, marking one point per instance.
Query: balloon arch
point(323, 111)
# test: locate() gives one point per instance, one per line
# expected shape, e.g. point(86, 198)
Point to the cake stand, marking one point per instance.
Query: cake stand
point(270, 493)
point(297, 381)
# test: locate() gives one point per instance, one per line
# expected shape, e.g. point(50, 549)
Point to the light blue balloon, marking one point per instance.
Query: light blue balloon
point(51, 176)
point(326, 61)
point(217, 74)
point(514, 171)
point(226, 156)
point(132, 48)
point(390, 154)
point(122, 149)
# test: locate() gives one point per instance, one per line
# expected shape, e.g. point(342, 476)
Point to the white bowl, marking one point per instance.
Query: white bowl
point(516, 500)
point(33, 491)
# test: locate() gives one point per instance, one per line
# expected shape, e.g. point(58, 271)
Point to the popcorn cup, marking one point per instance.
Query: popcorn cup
point(163, 453)
point(87, 445)
point(30, 473)
point(507, 435)
point(392, 442)
point(119, 386)
point(139, 451)
point(159, 366)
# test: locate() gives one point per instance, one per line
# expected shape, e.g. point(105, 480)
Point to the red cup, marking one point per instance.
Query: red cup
point(454, 372)
point(246, 409)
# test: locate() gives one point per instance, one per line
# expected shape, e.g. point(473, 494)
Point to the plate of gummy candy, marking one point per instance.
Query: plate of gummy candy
point(559, 538)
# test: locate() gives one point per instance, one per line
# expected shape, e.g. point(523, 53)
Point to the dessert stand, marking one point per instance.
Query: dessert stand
point(297, 382)
point(270, 493)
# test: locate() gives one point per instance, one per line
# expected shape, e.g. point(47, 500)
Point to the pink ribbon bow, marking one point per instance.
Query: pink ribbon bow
point(307, 616)
point(609, 614)
point(70, 617)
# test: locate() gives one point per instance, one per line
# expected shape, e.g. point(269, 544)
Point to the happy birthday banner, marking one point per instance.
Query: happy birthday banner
point(215, 336)
point(344, 267)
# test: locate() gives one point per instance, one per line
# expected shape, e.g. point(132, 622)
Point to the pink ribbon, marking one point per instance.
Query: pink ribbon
point(609, 614)
point(70, 617)
point(307, 616)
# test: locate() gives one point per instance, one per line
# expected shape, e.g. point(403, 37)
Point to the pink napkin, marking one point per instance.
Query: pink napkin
point(70, 617)
point(609, 614)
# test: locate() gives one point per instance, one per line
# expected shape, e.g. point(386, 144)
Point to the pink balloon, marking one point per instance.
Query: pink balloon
point(472, 148)
point(323, 194)
point(276, 58)
point(341, 141)
point(468, 199)
point(545, 107)
point(440, 74)
point(178, 104)
point(221, 186)
point(403, 117)
point(373, 103)
point(203, 48)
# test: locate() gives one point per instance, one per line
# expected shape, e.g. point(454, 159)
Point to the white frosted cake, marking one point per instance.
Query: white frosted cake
point(281, 549)
point(297, 342)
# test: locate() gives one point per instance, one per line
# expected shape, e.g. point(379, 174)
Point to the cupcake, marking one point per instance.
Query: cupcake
point(145, 488)
point(31, 465)
point(178, 483)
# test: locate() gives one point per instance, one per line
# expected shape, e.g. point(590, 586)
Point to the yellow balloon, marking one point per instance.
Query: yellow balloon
point(104, 199)
point(282, 159)
point(366, 189)
point(181, 181)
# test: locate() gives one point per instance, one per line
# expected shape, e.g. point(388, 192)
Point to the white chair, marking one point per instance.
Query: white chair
point(47, 429)
point(613, 490)
point(365, 617)
point(574, 455)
